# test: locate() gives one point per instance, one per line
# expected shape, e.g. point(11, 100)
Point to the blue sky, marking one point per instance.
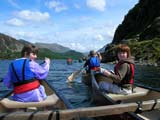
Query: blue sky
point(81, 25)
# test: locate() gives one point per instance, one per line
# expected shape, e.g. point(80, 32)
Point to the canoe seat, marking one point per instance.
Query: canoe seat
point(138, 92)
point(49, 101)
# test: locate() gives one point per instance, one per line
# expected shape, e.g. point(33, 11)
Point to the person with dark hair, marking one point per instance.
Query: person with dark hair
point(93, 63)
point(24, 75)
point(123, 76)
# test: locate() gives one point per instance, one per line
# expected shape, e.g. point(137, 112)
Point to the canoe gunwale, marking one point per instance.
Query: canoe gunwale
point(96, 91)
point(147, 87)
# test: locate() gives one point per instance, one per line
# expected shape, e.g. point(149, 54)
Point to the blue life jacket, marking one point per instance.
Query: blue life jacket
point(20, 72)
point(94, 62)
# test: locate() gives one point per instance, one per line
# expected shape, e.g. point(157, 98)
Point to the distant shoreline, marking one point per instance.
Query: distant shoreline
point(145, 63)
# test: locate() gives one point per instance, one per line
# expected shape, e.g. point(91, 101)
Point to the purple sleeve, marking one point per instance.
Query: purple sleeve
point(40, 71)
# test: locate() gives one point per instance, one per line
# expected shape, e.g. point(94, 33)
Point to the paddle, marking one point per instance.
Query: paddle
point(74, 75)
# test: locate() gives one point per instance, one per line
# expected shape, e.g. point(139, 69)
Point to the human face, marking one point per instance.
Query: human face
point(32, 56)
point(122, 55)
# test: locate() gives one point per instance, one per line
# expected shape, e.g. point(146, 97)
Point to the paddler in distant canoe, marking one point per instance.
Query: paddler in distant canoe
point(69, 61)
point(93, 63)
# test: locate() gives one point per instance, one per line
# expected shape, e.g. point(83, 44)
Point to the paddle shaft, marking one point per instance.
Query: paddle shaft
point(74, 75)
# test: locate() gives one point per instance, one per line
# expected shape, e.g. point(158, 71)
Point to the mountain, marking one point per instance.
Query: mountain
point(53, 47)
point(141, 22)
point(10, 48)
point(61, 51)
point(140, 29)
point(9, 43)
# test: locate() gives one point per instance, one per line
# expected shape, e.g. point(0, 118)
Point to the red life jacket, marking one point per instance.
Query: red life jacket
point(129, 78)
point(95, 68)
point(26, 87)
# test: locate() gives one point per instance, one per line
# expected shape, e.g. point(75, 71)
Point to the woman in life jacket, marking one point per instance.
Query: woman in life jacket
point(123, 76)
point(24, 75)
point(93, 63)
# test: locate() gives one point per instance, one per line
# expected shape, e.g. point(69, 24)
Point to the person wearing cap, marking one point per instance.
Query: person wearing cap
point(24, 75)
point(93, 63)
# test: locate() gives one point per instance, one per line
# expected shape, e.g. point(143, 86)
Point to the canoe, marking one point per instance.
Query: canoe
point(69, 61)
point(61, 109)
point(140, 95)
point(54, 101)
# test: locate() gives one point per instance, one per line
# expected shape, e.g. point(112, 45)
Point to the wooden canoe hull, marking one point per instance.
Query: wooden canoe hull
point(140, 94)
point(53, 100)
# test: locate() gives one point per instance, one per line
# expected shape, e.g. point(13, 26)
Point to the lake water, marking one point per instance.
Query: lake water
point(78, 93)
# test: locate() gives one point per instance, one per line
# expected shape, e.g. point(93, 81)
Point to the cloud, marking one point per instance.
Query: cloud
point(82, 39)
point(13, 3)
point(33, 15)
point(31, 36)
point(15, 22)
point(96, 4)
point(86, 38)
point(77, 46)
point(91, 36)
point(99, 37)
point(56, 5)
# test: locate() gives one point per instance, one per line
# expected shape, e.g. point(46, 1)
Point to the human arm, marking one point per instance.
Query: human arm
point(121, 73)
point(105, 72)
point(40, 71)
point(99, 56)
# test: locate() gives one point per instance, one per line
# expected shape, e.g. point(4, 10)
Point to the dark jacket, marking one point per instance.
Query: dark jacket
point(124, 71)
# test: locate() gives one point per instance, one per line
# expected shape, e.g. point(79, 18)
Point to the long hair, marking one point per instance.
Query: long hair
point(27, 49)
point(123, 48)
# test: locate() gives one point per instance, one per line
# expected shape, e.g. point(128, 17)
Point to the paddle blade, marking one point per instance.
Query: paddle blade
point(73, 76)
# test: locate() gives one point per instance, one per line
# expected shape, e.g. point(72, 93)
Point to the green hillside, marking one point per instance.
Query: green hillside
point(54, 55)
point(10, 48)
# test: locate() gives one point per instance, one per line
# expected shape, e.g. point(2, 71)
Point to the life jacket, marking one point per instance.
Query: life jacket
point(94, 63)
point(129, 78)
point(22, 77)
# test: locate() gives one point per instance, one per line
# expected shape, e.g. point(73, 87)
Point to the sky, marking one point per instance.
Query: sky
point(80, 25)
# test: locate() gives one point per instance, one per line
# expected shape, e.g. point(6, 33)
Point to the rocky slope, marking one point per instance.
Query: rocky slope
point(9, 43)
point(140, 29)
point(141, 22)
